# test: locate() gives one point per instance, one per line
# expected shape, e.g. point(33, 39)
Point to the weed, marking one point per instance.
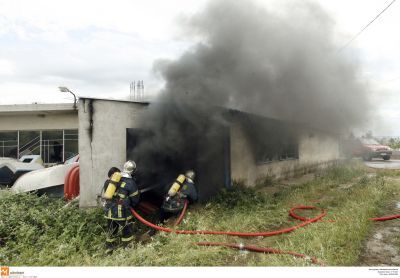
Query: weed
point(266, 181)
point(40, 231)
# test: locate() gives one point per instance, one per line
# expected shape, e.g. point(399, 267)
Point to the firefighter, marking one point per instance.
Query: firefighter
point(121, 194)
point(181, 190)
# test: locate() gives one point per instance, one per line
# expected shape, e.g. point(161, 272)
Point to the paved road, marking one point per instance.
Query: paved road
point(382, 164)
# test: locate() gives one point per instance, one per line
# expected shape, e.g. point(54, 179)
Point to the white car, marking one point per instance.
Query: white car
point(11, 169)
point(49, 180)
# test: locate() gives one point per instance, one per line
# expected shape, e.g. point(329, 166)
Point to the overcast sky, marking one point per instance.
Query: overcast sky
point(96, 48)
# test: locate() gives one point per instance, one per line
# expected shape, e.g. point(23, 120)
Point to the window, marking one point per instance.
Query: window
point(29, 142)
point(277, 147)
point(9, 144)
point(70, 143)
point(52, 146)
point(271, 140)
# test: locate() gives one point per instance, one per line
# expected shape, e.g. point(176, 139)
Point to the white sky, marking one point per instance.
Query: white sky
point(96, 48)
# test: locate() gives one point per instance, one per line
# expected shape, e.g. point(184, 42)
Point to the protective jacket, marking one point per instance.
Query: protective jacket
point(126, 196)
point(186, 192)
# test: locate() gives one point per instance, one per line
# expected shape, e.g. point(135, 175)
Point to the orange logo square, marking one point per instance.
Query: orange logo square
point(5, 271)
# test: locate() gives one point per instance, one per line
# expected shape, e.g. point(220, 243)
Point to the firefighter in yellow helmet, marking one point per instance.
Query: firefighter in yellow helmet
point(121, 193)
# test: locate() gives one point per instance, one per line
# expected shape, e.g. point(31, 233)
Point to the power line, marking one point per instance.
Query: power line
point(366, 26)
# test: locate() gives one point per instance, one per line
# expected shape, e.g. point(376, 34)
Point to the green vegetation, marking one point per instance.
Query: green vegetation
point(394, 143)
point(41, 231)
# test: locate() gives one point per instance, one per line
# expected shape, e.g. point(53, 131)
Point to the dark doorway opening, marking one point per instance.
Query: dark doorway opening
point(155, 169)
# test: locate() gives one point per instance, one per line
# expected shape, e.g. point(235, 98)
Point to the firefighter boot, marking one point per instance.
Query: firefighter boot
point(127, 244)
point(151, 232)
point(111, 245)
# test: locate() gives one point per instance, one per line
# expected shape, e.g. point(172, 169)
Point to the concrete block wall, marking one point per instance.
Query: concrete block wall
point(102, 144)
point(278, 169)
point(243, 163)
point(316, 149)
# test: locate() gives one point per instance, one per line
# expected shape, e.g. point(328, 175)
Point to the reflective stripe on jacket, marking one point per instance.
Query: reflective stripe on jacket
point(126, 196)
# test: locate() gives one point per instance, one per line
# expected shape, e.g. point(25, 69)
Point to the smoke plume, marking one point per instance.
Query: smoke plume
point(280, 65)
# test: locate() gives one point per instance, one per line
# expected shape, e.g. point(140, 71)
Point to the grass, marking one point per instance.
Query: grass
point(41, 231)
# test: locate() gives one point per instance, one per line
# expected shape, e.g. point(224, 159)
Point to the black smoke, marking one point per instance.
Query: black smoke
point(283, 65)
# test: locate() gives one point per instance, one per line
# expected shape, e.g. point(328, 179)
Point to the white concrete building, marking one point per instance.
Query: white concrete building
point(50, 130)
point(105, 127)
point(106, 130)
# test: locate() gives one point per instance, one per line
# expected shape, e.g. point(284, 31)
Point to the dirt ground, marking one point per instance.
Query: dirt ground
point(381, 248)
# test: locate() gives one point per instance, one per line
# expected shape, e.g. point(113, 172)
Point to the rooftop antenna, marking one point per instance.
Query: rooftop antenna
point(136, 90)
point(132, 95)
point(142, 90)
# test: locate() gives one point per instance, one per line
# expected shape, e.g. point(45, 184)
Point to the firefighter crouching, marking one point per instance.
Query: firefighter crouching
point(121, 193)
point(181, 190)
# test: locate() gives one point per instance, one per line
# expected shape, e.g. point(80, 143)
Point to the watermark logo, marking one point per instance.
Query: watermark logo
point(5, 271)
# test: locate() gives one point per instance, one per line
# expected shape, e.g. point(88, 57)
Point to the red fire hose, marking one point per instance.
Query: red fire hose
point(257, 249)
point(384, 218)
point(180, 218)
point(253, 248)
point(306, 221)
point(71, 183)
point(241, 234)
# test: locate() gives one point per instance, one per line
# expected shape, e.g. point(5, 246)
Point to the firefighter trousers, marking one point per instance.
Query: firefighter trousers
point(114, 226)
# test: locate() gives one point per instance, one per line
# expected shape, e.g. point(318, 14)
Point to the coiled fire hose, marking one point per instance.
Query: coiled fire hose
point(292, 213)
point(252, 248)
point(240, 234)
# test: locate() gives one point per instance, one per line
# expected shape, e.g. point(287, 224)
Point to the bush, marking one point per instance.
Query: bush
point(29, 224)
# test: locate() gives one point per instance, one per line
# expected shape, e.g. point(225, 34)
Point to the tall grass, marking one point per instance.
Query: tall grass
point(40, 231)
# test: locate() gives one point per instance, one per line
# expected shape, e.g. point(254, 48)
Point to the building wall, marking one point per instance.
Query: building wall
point(316, 149)
point(243, 163)
point(39, 121)
point(102, 144)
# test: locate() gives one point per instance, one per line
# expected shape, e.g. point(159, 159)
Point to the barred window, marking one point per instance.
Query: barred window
point(271, 140)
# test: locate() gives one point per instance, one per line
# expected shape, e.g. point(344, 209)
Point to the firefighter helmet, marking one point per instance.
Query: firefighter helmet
point(130, 167)
point(190, 174)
